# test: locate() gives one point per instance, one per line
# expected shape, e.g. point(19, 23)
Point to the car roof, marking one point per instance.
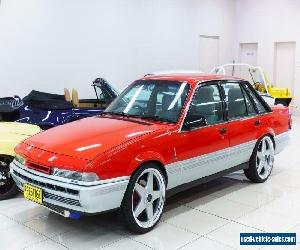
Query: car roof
point(192, 78)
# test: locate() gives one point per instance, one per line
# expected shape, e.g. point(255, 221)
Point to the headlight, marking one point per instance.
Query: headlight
point(20, 159)
point(75, 176)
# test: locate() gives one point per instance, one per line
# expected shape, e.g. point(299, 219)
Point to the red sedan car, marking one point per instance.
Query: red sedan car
point(163, 134)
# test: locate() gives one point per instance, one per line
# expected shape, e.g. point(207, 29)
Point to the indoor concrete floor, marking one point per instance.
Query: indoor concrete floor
point(210, 216)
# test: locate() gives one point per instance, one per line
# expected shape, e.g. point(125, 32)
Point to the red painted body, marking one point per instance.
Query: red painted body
point(117, 147)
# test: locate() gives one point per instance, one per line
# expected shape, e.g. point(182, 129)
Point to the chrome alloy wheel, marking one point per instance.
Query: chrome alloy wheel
point(148, 197)
point(265, 157)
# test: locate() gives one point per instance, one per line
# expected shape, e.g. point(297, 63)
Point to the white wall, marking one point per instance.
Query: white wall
point(267, 22)
point(51, 44)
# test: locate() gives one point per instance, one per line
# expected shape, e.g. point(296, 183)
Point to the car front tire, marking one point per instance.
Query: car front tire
point(8, 188)
point(262, 160)
point(144, 199)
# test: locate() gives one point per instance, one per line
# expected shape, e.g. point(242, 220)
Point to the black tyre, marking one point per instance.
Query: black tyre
point(8, 188)
point(261, 161)
point(144, 199)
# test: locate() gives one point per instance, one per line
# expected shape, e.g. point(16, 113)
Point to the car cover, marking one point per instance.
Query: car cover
point(41, 100)
point(10, 104)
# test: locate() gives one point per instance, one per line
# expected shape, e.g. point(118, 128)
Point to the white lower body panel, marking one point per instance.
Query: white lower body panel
point(281, 141)
point(186, 171)
point(198, 167)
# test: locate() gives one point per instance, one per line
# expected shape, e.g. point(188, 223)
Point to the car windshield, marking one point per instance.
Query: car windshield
point(159, 100)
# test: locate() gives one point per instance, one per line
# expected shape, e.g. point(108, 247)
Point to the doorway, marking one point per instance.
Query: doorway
point(209, 52)
point(284, 64)
point(248, 54)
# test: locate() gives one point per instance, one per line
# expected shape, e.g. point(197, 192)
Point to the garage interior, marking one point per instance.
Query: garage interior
point(50, 45)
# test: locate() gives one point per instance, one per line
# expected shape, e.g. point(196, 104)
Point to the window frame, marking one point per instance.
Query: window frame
point(245, 92)
point(199, 85)
point(268, 109)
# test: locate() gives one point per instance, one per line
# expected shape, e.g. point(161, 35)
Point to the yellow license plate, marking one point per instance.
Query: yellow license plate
point(33, 193)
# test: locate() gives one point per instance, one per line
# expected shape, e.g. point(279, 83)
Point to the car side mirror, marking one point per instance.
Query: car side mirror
point(194, 122)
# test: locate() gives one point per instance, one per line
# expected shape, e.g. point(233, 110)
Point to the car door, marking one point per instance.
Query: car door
point(262, 109)
point(203, 140)
point(242, 122)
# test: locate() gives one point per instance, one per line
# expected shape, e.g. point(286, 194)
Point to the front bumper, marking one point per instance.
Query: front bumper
point(64, 198)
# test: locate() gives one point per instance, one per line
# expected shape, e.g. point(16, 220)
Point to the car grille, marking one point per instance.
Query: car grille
point(47, 185)
point(58, 198)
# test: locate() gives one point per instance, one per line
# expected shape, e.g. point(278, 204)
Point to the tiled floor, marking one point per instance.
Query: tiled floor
point(210, 216)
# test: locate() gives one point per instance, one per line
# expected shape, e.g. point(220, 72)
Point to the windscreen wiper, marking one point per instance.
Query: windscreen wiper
point(120, 114)
point(156, 118)
point(114, 113)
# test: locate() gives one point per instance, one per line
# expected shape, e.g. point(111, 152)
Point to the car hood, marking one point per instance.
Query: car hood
point(16, 128)
point(90, 137)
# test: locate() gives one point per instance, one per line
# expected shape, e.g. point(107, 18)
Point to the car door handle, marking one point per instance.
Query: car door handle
point(223, 131)
point(257, 123)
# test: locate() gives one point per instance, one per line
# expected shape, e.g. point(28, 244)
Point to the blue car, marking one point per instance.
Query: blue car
point(50, 110)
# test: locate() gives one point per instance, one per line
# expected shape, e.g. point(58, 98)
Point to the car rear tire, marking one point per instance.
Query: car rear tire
point(8, 188)
point(144, 199)
point(261, 161)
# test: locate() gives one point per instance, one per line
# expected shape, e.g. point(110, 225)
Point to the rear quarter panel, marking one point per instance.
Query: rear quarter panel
point(280, 119)
point(275, 122)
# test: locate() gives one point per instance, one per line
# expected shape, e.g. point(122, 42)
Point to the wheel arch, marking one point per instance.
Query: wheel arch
point(158, 163)
point(267, 132)
point(271, 135)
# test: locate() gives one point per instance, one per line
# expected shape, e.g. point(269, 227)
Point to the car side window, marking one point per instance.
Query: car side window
point(206, 107)
point(235, 100)
point(260, 107)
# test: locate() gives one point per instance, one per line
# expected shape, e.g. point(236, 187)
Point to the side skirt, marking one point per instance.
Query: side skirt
point(205, 179)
